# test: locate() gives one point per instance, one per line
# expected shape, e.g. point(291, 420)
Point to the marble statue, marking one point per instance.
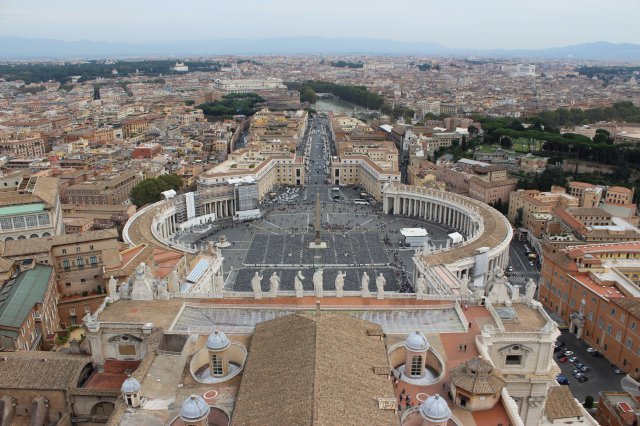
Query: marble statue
point(255, 285)
point(218, 283)
point(112, 288)
point(380, 282)
point(421, 285)
point(162, 292)
point(274, 285)
point(464, 285)
point(340, 283)
point(297, 284)
point(515, 293)
point(142, 284)
point(90, 322)
point(530, 289)
point(317, 282)
point(499, 292)
point(365, 284)
point(173, 282)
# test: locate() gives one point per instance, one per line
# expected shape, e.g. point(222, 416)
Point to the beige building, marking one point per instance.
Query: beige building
point(265, 170)
point(113, 189)
point(79, 261)
point(534, 201)
point(589, 195)
point(22, 148)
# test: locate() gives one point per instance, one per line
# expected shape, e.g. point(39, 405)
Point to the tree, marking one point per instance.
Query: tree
point(463, 144)
point(588, 401)
point(549, 177)
point(307, 94)
point(386, 109)
point(602, 136)
point(518, 219)
point(149, 190)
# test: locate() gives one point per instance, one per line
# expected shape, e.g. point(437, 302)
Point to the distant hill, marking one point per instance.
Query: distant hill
point(25, 48)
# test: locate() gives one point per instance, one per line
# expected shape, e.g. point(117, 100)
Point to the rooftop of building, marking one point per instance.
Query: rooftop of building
point(19, 296)
point(23, 247)
point(313, 356)
point(561, 404)
point(35, 370)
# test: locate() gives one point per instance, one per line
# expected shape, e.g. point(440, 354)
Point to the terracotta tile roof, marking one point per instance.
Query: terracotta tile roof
point(40, 370)
point(477, 377)
point(561, 404)
point(314, 370)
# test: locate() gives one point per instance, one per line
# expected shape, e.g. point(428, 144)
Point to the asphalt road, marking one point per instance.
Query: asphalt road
point(601, 377)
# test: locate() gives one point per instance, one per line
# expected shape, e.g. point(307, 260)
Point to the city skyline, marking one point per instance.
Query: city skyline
point(488, 25)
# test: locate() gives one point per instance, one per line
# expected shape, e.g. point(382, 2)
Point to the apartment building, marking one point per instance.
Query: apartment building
point(617, 409)
point(595, 289)
point(534, 201)
point(111, 189)
point(25, 148)
point(28, 310)
point(589, 195)
point(482, 181)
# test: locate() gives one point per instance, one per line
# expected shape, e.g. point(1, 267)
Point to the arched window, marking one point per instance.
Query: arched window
point(80, 262)
point(416, 366)
point(216, 365)
point(8, 239)
point(93, 260)
point(65, 263)
point(22, 237)
point(46, 234)
point(34, 236)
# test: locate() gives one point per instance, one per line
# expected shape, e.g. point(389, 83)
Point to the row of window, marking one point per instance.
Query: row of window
point(79, 262)
point(24, 221)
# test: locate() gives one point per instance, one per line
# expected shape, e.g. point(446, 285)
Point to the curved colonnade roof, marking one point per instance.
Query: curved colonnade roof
point(496, 227)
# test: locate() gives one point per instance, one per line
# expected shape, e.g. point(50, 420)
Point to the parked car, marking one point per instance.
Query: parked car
point(573, 359)
point(560, 355)
point(562, 380)
point(582, 379)
point(563, 359)
point(568, 353)
point(591, 350)
point(530, 263)
point(618, 371)
point(585, 368)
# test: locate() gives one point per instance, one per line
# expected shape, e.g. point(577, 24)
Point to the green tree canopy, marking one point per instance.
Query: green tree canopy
point(150, 190)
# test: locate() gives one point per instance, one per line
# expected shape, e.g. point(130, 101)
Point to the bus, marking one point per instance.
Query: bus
point(360, 201)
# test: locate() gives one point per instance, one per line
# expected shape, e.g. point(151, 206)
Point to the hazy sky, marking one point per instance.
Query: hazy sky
point(461, 24)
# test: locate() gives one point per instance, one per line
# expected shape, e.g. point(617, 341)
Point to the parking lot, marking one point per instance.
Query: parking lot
point(601, 377)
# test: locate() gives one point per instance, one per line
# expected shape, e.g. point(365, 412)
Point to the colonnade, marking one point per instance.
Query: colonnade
point(461, 213)
point(449, 214)
point(222, 208)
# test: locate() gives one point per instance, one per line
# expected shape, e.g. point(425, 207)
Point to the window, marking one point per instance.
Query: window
point(613, 311)
point(64, 251)
point(633, 326)
point(93, 260)
point(621, 317)
point(416, 366)
point(513, 360)
point(67, 284)
point(629, 343)
point(618, 335)
point(80, 261)
point(87, 310)
point(65, 263)
point(72, 312)
point(78, 249)
point(609, 329)
point(216, 365)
